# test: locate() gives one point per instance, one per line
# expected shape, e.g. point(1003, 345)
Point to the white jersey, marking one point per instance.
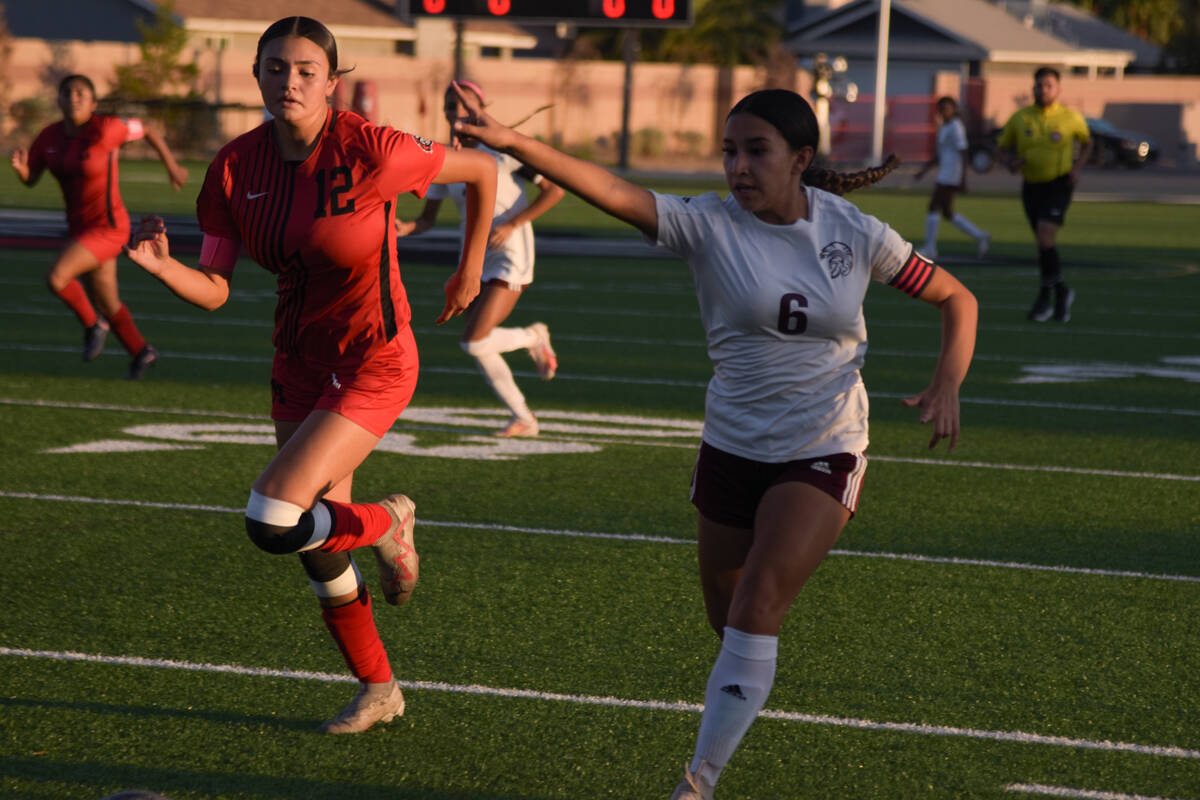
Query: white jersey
point(782, 308)
point(513, 262)
point(951, 143)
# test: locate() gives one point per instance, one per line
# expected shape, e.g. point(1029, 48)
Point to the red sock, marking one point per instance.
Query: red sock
point(76, 299)
point(355, 525)
point(126, 331)
point(352, 626)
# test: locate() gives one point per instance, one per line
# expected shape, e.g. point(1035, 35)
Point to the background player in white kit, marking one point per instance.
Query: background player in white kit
point(950, 157)
point(507, 270)
point(781, 270)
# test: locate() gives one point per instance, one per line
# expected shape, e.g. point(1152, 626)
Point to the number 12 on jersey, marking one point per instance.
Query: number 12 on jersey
point(331, 185)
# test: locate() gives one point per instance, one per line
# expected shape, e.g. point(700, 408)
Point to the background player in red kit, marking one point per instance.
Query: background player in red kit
point(81, 152)
point(310, 196)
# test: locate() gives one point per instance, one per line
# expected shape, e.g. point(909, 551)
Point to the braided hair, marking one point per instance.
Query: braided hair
point(793, 117)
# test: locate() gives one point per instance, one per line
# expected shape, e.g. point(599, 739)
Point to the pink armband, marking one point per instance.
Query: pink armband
point(134, 130)
point(219, 254)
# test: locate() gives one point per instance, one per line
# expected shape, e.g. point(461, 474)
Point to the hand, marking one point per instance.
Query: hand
point(178, 176)
point(478, 124)
point(404, 227)
point(20, 163)
point(1074, 173)
point(500, 234)
point(150, 249)
point(460, 293)
point(939, 406)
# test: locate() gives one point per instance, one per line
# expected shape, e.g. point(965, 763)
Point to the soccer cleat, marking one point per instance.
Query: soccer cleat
point(692, 787)
point(142, 362)
point(395, 551)
point(93, 339)
point(985, 242)
point(519, 428)
point(542, 353)
point(1042, 307)
point(363, 711)
point(1064, 296)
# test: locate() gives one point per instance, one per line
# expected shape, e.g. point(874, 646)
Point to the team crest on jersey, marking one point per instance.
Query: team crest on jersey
point(838, 258)
point(1055, 136)
point(423, 143)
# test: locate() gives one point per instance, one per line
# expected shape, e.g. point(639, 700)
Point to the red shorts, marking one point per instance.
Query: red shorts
point(371, 395)
point(728, 488)
point(103, 243)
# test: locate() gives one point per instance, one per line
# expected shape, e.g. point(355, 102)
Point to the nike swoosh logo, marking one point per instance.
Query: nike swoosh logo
point(251, 196)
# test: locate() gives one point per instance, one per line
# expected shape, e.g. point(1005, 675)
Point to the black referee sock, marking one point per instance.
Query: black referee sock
point(1050, 267)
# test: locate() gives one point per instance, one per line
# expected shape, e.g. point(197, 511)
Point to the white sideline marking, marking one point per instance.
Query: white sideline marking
point(639, 537)
point(415, 411)
point(1064, 791)
point(651, 705)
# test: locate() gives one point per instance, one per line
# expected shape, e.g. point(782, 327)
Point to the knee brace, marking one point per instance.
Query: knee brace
point(279, 527)
point(331, 574)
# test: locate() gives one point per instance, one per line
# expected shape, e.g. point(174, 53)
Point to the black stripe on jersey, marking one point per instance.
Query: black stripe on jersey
point(293, 270)
point(385, 276)
point(108, 189)
point(914, 276)
point(333, 118)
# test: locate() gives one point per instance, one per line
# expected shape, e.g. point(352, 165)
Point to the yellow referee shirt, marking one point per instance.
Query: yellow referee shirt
point(1045, 138)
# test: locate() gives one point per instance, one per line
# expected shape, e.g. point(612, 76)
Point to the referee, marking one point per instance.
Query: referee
point(1040, 141)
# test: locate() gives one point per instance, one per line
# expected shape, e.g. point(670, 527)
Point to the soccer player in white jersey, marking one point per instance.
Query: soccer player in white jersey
point(781, 269)
point(507, 269)
point(950, 157)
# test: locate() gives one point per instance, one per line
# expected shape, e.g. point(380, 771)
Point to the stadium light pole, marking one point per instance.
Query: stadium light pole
point(881, 59)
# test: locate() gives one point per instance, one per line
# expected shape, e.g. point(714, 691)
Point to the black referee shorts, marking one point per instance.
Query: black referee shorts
point(1047, 201)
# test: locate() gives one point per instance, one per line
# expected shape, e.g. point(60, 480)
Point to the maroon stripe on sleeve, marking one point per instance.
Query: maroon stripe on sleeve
point(914, 276)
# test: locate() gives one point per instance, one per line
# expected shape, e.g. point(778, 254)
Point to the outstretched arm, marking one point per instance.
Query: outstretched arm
point(478, 172)
point(960, 314)
point(611, 194)
point(175, 173)
point(200, 287)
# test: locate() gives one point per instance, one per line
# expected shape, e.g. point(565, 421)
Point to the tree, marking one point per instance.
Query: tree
point(159, 69)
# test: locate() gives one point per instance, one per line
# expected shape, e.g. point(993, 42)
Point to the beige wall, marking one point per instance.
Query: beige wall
point(585, 97)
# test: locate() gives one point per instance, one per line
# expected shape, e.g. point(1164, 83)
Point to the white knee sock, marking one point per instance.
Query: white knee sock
point(931, 231)
point(737, 689)
point(966, 226)
point(496, 372)
point(501, 340)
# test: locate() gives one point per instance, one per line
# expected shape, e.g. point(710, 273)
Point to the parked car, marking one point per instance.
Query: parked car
point(1111, 147)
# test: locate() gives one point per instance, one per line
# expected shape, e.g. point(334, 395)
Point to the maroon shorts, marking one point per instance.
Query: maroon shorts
point(727, 488)
point(372, 394)
point(103, 243)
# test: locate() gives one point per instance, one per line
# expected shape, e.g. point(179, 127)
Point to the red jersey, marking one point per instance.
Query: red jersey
point(324, 227)
point(86, 168)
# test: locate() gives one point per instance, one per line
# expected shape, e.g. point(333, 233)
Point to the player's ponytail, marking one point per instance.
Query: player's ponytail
point(841, 182)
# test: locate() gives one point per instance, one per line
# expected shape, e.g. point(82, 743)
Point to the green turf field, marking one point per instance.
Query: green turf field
point(1019, 619)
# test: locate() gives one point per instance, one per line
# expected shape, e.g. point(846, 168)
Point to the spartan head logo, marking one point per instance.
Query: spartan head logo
point(838, 258)
point(423, 143)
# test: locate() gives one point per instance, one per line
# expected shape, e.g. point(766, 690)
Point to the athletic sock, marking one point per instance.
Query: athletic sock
point(125, 329)
point(738, 687)
point(932, 221)
point(501, 340)
point(1050, 268)
point(352, 627)
point(76, 299)
point(350, 525)
point(498, 375)
point(966, 226)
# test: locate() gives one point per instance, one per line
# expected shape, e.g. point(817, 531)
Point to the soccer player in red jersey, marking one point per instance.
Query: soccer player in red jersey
point(310, 196)
point(81, 152)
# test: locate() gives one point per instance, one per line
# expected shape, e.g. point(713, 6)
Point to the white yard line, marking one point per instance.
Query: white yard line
point(634, 537)
point(1083, 794)
point(918, 728)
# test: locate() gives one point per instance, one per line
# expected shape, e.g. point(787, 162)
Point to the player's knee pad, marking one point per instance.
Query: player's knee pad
point(331, 574)
point(277, 526)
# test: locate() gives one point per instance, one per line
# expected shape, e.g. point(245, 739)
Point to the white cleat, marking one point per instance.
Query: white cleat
point(519, 428)
point(395, 552)
point(542, 353)
point(692, 787)
point(362, 712)
point(985, 242)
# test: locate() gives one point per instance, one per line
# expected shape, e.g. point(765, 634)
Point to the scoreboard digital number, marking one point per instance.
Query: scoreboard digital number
point(632, 13)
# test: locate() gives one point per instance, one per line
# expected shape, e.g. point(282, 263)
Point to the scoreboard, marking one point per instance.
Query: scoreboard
point(586, 13)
